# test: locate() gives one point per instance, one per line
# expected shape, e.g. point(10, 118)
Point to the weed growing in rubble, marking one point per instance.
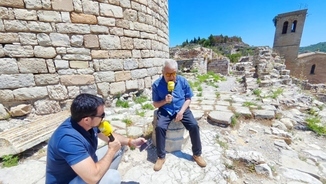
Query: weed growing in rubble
point(122, 103)
point(147, 106)
point(249, 104)
point(276, 93)
point(194, 85)
point(234, 121)
point(9, 160)
point(257, 92)
point(199, 88)
point(140, 99)
point(127, 121)
point(140, 113)
point(194, 70)
point(258, 81)
point(313, 124)
point(217, 94)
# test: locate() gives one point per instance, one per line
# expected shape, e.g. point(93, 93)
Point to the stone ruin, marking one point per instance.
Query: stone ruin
point(53, 50)
point(266, 66)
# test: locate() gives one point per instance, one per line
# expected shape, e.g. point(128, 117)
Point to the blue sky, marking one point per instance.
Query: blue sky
point(249, 19)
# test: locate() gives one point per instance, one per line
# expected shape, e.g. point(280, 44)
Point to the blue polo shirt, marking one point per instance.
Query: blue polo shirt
point(181, 92)
point(68, 145)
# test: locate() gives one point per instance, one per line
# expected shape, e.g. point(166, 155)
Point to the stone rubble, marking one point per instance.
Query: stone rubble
point(259, 149)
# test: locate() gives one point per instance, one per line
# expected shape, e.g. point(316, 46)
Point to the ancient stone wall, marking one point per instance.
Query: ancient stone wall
point(193, 65)
point(52, 50)
point(310, 66)
point(221, 66)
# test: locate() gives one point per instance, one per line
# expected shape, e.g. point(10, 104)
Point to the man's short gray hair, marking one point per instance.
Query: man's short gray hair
point(171, 64)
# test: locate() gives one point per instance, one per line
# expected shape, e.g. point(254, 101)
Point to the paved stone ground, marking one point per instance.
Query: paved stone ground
point(250, 135)
point(179, 166)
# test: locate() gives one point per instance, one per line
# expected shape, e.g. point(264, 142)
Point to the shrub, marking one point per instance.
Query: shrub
point(127, 121)
point(313, 124)
point(140, 99)
point(9, 160)
point(147, 106)
point(122, 103)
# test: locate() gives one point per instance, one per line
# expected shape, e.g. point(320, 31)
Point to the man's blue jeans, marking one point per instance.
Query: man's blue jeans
point(112, 175)
point(190, 123)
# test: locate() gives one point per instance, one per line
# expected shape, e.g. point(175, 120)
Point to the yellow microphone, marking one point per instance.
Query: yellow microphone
point(170, 86)
point(106, 129)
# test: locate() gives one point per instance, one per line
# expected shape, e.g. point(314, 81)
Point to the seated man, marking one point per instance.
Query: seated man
point(174, 105)
point(71, 152)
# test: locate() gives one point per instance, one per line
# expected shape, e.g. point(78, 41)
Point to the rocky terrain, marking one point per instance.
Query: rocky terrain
point(254, 135)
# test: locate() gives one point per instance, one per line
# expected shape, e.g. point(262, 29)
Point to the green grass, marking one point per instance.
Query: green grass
point(9, 160)
point(200, 94)
point(217, 94)
point(122, 103)
point(147, 106)
point(140, 113)
point(234, 121)
point(127, 121)
point(276, 93)
point(313, 124)
point(194, 70)
point(199, 88)
point(249, 104)
point(140, 99)
point(257, 92)
point(194, 84)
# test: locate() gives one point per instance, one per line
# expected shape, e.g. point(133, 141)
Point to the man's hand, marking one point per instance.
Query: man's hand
point(114, 146)
point(168, 98)
point(138, 142)
point(179, 116)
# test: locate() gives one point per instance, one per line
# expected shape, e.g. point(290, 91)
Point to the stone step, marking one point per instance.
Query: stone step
point(23, 137)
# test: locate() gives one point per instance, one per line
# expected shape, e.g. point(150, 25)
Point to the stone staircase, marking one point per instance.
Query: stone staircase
point(23, 137)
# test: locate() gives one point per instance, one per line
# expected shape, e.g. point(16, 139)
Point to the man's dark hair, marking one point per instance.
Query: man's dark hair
point(85, 105)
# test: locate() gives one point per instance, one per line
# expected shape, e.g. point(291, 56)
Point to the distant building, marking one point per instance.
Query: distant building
point(289, 28)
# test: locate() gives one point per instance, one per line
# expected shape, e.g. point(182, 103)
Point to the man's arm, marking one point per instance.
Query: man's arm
point(159, 104)
point(185, 105)
point(124, 140)
point(92, 172)
point(183, 109)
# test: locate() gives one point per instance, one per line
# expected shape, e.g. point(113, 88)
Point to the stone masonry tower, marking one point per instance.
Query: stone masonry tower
point(289, 27)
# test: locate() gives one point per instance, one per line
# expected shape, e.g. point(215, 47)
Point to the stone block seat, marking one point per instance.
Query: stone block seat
point(18, 139)
point(176, 135)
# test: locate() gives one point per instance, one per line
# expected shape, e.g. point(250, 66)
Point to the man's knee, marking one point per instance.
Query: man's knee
point(111, 176)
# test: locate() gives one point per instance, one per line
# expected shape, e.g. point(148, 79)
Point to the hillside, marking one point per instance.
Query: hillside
point(321, 47)
point(222, 46)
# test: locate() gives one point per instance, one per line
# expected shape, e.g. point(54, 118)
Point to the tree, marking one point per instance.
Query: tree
point(211, 40)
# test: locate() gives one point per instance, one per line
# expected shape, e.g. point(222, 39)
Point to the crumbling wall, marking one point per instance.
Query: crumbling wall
point(53, 50)
point(219, 65)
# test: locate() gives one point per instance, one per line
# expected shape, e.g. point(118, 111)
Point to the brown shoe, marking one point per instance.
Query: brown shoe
point(159, 163)
point(199, 160)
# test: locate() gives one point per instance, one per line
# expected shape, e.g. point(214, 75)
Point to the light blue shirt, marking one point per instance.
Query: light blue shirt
point(181, 92)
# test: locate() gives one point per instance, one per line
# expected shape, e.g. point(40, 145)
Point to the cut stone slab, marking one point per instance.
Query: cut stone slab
point(21, 138)
point(219, 117)
point(243, 111)
point(222, 108)
point(299, 165)
point(198, 114)
point(207, 102)
point(300, 177)
point(36, 169)
point(264, 114)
